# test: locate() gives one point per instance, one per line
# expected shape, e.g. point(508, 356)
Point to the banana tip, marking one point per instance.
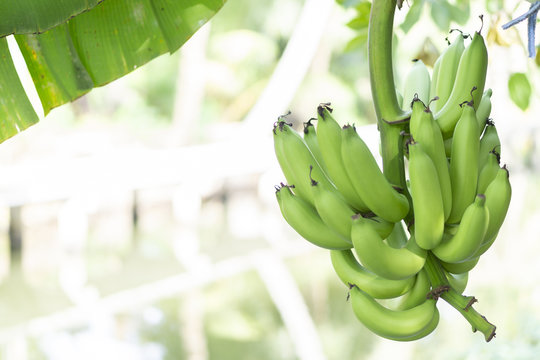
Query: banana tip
point(307, 124)
point(322, 107)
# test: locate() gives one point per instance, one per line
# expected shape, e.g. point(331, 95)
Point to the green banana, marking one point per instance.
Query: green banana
point(350, 272)
point(426, 131)
point(458, 282)
point(418, 294)
point(417, 115)
point(426, 198)
point(368, 179)
point(448, 67)
point(329, 138)
point(425, 331)
point(303, 218)
point(310, 137)
point(490, 141)
point(297, 161)
point(462, 267)
point(381, 226)
point(448, 147)
point(380, 258)
point(283, 163)
point(397, 238)
point(498, 195)
point(470, 78)
point(332, 208)
point(434, 78)
point(416, 84)
point(469, 236)
point(488, 172)
point(484, 110)
point(464, 163)
point(398, 325)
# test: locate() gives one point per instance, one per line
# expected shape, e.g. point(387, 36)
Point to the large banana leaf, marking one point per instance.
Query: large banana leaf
point(98, 46)
point(36, 16)
point(15, 110)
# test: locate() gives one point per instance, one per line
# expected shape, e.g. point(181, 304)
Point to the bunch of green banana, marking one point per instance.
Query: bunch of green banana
point(381, 235)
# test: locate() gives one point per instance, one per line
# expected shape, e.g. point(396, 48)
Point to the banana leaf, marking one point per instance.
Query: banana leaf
point(16, 112)
point(36, 16)
point(100, 45)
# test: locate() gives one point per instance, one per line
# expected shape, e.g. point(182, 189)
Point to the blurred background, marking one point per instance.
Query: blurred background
point(140, 222)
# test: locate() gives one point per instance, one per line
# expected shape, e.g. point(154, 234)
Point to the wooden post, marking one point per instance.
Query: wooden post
point(15, 237)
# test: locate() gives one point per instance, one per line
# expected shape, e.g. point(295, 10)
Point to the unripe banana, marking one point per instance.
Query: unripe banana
point(380, 258)
point(368, 180)
point(283, 163)
point(351, 272)
point(484, 110)
point(425, 331)
point(488, 172)
point(448, 147)
point(462, 267)
point(490, 141)
point(417, 115)
point(397, 238)
point(416, 84)
point(310, 137)
point(426, 131)
point(426, 198)
point(434, 78)
point(498, 195)
point(296, 161)
point(418, 294)
point(332, 208)
point(329, 138)
point(464, 163)
point(458, 282)
point(303, 218)
point(392, 324)
point(381, 226)
point(448, 67)
point(469, 236)
point(471, 74)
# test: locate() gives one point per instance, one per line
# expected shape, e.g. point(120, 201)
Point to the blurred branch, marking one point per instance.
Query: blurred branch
point(190, 85)
point(289, 302)
point(134, 298)
point(291, 68)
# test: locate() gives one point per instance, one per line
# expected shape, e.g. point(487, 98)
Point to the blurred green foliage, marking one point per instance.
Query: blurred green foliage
point(520, 90)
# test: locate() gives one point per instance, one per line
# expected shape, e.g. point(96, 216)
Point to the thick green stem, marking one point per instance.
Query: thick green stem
point(387, 109)
point(463, 304)
point(383, 89)
point(380, 34)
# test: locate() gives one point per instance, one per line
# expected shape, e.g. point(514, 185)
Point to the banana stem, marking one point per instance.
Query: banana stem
point(463, 304)
point(380, 33)
point(383, 91)
point(390, 124)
